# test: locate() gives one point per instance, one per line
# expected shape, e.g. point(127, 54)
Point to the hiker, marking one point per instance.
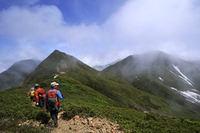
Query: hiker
point(52, 102)
point(40, 95)
point(31, 94)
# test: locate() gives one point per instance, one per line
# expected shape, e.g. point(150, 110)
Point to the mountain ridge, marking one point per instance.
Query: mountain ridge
point(59, 63)
point(160, 70)
point(16, 74)
point(140, 101)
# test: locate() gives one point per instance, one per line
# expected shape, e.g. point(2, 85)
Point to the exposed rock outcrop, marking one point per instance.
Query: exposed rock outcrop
point(86, 125)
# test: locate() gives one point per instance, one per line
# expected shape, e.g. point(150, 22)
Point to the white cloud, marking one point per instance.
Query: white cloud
point(172, 26)
point(30, 22)
point(149, 25)
point(153, 19)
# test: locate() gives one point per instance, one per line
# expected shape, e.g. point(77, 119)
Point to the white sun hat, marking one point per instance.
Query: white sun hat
point(54, 83)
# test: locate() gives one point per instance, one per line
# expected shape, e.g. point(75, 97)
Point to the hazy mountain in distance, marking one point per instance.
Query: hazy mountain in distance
point(102, 67)
point(162, 71)
point(15, 75)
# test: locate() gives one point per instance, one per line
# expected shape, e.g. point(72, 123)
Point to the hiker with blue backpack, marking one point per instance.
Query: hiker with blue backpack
point(52, 102)
point(31, 94)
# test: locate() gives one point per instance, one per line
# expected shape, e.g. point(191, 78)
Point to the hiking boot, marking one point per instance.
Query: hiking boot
point(56, 123)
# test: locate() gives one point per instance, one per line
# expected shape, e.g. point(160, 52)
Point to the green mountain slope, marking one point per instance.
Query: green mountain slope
point(59, 63)
point(156, 73)
point(88, 92)
point(64, 65)
point(83, 100)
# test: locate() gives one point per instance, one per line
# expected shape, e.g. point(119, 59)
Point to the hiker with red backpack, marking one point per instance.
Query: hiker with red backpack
point(52, 102)
point(40, 95)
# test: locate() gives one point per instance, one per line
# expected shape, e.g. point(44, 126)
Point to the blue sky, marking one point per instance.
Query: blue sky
point(97, 32)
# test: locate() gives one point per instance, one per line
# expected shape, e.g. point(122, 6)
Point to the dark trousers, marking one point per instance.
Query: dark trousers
point(54, 115)
point(32, 98)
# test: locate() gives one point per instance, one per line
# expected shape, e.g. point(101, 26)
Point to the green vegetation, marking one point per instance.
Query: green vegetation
point(144, 106)
point(85, 101)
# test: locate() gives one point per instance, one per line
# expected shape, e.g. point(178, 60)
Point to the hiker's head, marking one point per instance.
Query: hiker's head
point(54, 84)
point(36, 86)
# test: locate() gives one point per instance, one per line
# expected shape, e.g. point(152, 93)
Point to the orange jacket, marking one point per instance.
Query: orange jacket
point(39, 91)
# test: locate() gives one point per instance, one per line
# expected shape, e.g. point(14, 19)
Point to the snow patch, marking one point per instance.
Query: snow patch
point(194, 90)
point(187, 80)
point(161, 79)
point(173, 88)
point(55, 76)
point(171, 71)
point(189, 95)
point(137, 77)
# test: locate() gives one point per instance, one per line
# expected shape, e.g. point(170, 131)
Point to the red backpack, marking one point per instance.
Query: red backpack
point(52, 100)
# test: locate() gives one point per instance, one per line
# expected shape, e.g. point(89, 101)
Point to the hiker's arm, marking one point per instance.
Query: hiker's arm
point(59, 95)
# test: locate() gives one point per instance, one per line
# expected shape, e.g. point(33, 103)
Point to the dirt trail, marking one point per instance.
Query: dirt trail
point(84, 125)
